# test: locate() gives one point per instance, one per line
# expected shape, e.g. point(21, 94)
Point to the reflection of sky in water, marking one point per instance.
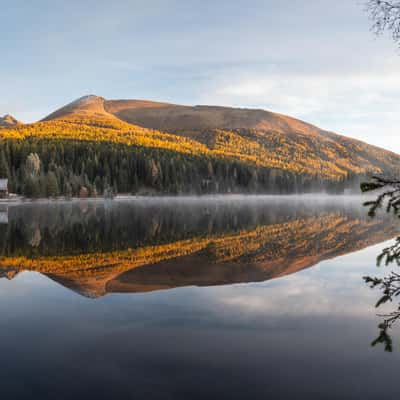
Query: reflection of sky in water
point(306, 335)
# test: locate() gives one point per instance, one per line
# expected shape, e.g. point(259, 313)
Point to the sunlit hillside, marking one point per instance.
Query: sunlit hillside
point(86, 119)
point(272, 139)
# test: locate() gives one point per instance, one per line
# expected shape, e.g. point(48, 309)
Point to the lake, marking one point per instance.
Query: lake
point(193, 298)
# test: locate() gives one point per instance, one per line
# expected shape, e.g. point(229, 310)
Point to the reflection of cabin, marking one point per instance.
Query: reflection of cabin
point(3, 217)
point(3, 188)
point(3, 214)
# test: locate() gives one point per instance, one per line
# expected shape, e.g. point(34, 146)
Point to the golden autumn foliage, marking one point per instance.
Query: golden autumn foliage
point(331, 158)
point(105, 131)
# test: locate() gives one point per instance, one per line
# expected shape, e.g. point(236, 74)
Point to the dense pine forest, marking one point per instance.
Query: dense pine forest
point(48, 168)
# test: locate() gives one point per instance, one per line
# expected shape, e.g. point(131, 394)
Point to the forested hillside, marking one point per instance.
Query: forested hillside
point(94, 146)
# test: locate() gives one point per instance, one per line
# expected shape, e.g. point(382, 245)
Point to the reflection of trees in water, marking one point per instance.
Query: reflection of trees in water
point(388, 197)
point(245, 241)
point(90, 227)
point(222, 245)
point(389, 286)
point(73, 229)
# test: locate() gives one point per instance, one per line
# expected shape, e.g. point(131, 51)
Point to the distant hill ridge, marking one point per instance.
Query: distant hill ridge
point(8, 121)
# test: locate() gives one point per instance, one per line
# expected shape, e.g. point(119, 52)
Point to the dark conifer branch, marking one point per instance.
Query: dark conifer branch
point(389, 192)
point(390, 287)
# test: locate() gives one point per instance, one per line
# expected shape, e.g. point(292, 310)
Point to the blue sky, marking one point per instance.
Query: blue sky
point(312, 59)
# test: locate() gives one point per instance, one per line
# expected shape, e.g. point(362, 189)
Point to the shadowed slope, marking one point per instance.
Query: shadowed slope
point(177, 118)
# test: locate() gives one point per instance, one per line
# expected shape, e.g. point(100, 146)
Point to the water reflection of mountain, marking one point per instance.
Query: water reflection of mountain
point(98, 248)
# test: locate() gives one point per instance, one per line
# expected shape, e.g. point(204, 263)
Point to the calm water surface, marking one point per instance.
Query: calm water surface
point(244, 298)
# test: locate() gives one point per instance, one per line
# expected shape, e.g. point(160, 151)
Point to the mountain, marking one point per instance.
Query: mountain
point(258, 136)
point(8, 121)
point(178, 149)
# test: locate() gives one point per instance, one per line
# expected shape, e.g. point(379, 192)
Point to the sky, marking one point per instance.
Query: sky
point(316, 60)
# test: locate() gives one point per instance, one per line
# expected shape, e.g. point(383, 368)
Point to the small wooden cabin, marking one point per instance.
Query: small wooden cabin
point(3, 188)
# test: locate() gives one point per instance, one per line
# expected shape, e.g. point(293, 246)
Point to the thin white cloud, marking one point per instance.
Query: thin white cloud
point(364, 106)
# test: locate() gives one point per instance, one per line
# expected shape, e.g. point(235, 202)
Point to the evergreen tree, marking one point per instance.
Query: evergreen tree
point(52, 185)
point(4, 169)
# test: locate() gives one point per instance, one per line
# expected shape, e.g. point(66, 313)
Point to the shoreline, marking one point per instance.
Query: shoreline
point(18, 200)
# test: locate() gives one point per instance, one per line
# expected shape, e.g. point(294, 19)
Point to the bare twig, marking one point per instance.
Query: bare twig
point(385, 16)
